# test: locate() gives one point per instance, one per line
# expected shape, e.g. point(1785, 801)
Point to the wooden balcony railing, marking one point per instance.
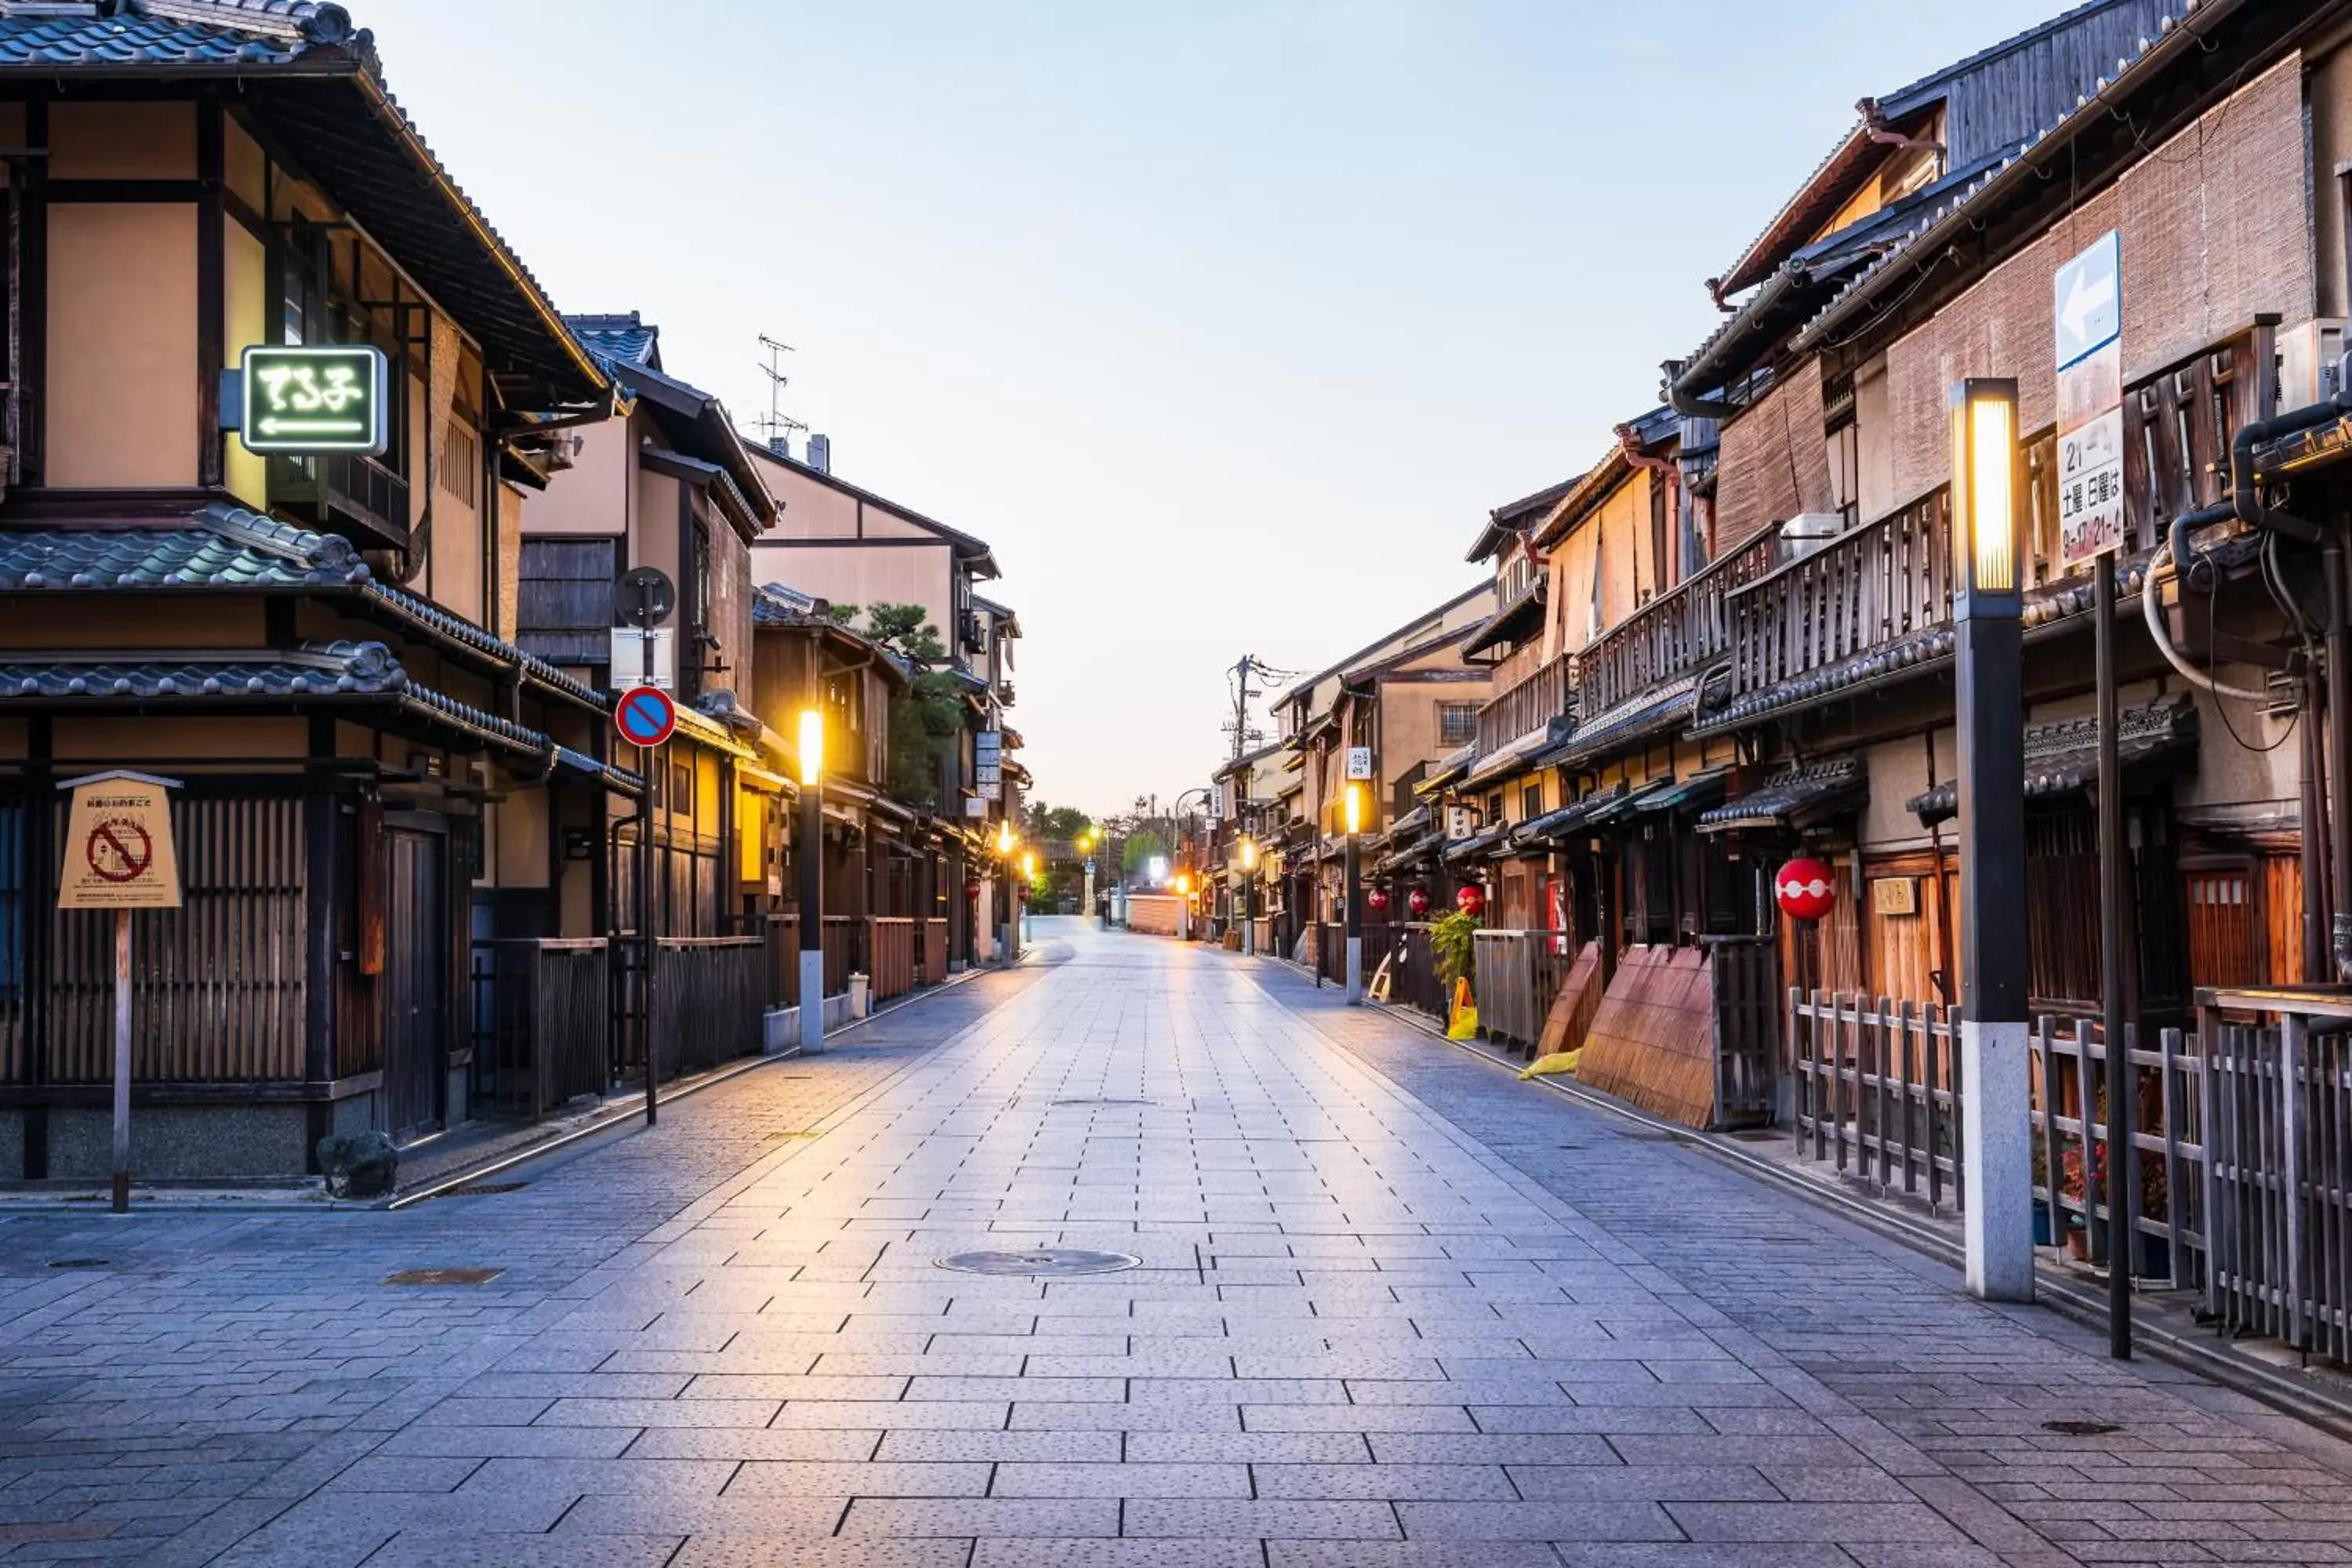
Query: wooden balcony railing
point(1532, 703)
point(1678, 633)
point(1888, 579)
point(1867, 588)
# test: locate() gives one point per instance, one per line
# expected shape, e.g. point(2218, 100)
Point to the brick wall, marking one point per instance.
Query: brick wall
point(1774, 463)
point(2213, 226)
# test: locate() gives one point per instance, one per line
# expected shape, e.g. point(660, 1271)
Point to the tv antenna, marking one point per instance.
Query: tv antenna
point(776, 425)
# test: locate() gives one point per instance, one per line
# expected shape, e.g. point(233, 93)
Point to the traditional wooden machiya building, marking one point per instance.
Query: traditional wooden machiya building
point(322, 647)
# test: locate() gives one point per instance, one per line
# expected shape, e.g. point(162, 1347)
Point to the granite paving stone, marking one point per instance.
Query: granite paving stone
point(1395, 1311)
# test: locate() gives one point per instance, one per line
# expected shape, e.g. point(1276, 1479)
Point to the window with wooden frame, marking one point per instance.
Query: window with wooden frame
point(460, 472)
point(1842, 437)
point(1457, 723)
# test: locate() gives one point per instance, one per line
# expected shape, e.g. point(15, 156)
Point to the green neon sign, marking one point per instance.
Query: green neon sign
point(307, 398)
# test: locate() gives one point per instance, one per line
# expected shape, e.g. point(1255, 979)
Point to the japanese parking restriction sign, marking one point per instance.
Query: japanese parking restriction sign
point(645, 716)
point(119, 853)
point(2086, 313)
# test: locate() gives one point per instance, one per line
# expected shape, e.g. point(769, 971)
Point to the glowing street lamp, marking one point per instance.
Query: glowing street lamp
point(811, 880)
point(1996, 1123)
point(1355, 888)
point(1249, 896)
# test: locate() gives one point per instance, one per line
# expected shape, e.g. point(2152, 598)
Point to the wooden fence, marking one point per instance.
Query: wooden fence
point(542, 1022)
point(890, 951)
point(709, 993)
point(1879, 1094)
point(845, 952)
point(933, 957)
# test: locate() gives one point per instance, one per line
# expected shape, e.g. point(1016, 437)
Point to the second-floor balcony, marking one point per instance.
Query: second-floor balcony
point(1677, 634)
point(1531, 704)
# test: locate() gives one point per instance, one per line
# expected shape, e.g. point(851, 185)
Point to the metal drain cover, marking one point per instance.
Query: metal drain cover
point(2081, 1429)
point(78, 1263)
point(1050, 1262)
point(1102, 1101)
point(483, 1190)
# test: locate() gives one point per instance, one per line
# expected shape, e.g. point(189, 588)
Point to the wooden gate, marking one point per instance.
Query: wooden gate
point(414, 988)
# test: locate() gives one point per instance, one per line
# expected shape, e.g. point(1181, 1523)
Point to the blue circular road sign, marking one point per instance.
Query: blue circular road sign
point(645, 716)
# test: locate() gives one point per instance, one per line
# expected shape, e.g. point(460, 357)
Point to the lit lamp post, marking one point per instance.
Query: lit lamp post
point(1249, 896)
point(1184, 907)
point(1355, 897)
point(1008, 932)
point(811, 851)
point(1996, 1127)
point(1028, 887)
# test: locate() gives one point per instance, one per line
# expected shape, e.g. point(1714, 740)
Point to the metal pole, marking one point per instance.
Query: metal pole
point(812, 900)
point(2114, 906)
point(1249, 912)
point(123, 1061)
point(645, 865)
point(2340, 757)
point(1996, 1123)
point(1355, 872)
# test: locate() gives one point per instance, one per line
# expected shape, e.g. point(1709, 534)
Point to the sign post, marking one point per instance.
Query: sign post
point(119, 856)
point(647, 718)
point(2086, 300)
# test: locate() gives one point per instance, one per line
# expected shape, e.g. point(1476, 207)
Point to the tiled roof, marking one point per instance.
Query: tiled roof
point(2063, 758)
point(2169, 38)
point(223, 548)
point(364, 149)
point(1797, 793)
point(228, 547)
point(618, 339)
point(1652, 712)
point(773, 604)
point(221, 34)
point(1554, 825)
point(325, 669)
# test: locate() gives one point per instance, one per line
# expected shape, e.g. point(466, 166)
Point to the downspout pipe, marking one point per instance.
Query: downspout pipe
point(1630, 442)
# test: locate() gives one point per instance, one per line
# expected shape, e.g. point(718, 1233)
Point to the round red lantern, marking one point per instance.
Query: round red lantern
point(1378, 898)
point(971, 889)
point(1471, 900)
point(1417, 901)
point(1806, 888)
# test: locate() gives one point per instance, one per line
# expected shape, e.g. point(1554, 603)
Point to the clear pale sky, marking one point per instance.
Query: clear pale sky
point(1223, 323)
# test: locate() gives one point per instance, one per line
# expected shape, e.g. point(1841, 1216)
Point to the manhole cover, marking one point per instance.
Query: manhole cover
point(483, 1190)
point(1053, 1262)
point(443, 1275)
point(78, 1263)
point(2081, 1429)
point(1102, 1101)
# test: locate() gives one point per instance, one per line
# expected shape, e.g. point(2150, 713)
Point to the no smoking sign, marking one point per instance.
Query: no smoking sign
point(118, 849)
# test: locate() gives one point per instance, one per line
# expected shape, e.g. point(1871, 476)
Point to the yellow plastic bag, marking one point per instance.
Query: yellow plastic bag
point(1463, 1025)
point(1557, 1063)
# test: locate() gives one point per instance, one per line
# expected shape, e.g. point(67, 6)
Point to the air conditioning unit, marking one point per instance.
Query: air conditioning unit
point(2310, 363)
point(1808, 532)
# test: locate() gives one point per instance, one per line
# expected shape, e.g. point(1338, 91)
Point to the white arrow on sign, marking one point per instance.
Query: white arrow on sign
point(2084, 299)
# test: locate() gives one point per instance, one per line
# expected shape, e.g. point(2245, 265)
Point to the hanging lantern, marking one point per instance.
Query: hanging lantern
point(1471, 900)
point(1417, 901)
point(971, 889)
point(1377, 900)
point(1806, 888)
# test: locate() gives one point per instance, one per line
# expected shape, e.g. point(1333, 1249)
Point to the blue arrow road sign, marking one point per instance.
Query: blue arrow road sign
point(645, 716)
point(2088, 299)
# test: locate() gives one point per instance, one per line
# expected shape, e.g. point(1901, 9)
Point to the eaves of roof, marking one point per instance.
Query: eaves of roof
point(1512, 622)
point(317, 82)
point(1643, 716)
point(343, 671)
point(698, 421)
point(1587, 492)
point(228, 548)
point(1954, 238)
point(1513, 516)
point(1302, 688)
point(2063, 758)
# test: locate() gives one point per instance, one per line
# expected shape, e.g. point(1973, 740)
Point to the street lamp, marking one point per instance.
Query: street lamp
point(1355, 810)
point(1028, 885)
point(1007, 930)
point(1996, 1123)
point(1249, 896)
point(1183, 885)
point(812, 878)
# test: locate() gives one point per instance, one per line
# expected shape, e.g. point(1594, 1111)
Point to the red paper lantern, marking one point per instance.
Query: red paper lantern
point(971, 889)
point(1806, 888)
point(1378, 898)
point(1471, 900)
point(1418, 902)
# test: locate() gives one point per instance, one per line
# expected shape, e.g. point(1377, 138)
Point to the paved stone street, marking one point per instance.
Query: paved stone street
point(1394, 1309)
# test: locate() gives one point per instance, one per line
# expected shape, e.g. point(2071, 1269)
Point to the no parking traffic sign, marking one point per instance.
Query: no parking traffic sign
point(645, 716)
